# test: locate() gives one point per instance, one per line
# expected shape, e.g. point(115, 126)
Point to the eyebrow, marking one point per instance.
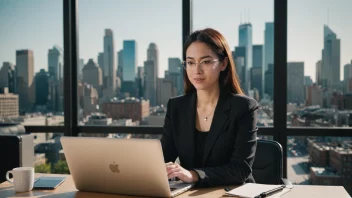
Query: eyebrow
point(207, 56)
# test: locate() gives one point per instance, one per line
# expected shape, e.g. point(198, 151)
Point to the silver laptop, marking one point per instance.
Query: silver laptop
point(120, 166)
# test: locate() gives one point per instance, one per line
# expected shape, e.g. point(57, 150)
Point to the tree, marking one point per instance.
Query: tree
point(43, 168)
point(60, 168)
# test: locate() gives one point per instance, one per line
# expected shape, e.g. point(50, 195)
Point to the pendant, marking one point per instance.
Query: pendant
point(206, 118)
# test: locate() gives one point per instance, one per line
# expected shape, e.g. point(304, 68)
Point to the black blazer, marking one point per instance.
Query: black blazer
point(231, 143)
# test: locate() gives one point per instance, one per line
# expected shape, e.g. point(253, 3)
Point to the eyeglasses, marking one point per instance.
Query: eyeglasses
point(203, 64)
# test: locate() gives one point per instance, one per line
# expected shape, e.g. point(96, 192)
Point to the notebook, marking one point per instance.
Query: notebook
point(250, 190)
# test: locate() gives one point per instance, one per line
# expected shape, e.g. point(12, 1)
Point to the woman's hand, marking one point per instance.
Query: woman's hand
point(175, 170)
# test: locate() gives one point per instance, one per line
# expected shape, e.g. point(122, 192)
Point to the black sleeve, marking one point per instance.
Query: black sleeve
point(240, 165)
point(167, 139)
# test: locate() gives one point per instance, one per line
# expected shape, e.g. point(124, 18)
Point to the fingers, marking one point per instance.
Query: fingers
point(171, 165)
point(174, 174)
point(171, 170)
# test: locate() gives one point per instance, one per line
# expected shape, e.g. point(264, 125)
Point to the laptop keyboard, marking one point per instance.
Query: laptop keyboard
point(172, 189)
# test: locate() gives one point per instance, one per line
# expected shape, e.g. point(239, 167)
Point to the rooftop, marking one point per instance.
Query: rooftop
point(127, 100)
point(339, 147)
point(319, 171)
point(343, 150)
point(322, 146)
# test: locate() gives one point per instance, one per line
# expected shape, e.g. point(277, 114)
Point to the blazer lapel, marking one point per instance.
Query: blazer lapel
point(219, 119)
point(188, 116)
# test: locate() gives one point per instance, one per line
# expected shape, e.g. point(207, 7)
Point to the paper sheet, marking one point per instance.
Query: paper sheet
point(250, 190)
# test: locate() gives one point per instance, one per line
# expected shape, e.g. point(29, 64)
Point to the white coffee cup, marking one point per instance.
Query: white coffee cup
point(22, 178)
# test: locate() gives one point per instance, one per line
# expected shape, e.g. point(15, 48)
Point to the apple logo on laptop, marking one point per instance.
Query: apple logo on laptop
point(114, 168)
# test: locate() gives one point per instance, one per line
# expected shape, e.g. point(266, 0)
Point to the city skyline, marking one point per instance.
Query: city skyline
point(135, 40)
point(48, 18)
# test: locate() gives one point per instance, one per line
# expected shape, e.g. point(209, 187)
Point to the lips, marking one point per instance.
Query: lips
point(198, 80)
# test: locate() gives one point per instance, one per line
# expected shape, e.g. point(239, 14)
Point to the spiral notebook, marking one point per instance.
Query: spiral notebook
point(250, 190)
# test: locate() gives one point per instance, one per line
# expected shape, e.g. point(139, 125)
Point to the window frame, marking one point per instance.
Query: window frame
point(279, 131)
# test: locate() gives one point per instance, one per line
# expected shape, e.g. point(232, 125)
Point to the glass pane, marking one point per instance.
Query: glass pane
point(130, 64)
point(320, 161)
point(249, 30)
point(121, 135)
point(31, 62)
point(266, 137)
point(319, 68)
point(48, 154)
point(144, 136)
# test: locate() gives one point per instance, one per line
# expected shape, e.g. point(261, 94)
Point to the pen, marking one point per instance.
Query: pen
point(227, 189)
point(270, 192)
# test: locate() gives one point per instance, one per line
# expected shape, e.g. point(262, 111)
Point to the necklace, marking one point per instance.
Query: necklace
point(206, 117)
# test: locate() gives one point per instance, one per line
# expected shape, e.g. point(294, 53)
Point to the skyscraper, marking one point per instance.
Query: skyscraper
point(109, 67)
point(257, 55)
point(153, 55)
point(256, 71)
point(175, 65)
point(239, 56)
point(165, 90)
point(92, 75)
point(295, 82)
point(348, 78)
point(129, 60)
point(119, 64)
point(89, 99)
point(55, 62)
point(177, 82)
point(42, 88)
point(256, 79)
point(150, 83)
point(140, 81)
point(318, 73)
point(55, 70)
point(330, 59)
point(175, 74)
point(308, 81)
point(269, 81)
point(25, 76)
point(101, 60)
point(245, 40)
point(8, 77)
point(268, 52)
point(80, 68)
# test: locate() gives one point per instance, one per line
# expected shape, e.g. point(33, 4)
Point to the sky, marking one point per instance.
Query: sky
point(38, 25)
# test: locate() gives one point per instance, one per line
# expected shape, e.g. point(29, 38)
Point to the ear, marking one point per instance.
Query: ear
point(225, 62)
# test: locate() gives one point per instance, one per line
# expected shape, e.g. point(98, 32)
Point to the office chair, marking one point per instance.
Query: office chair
point(267, 166)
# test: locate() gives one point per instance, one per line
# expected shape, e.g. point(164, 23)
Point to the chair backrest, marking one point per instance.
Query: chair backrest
point(267, 166)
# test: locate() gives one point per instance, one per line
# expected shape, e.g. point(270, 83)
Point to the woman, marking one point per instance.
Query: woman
point(212, 128)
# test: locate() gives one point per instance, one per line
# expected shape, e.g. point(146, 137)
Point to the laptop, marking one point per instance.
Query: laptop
point(120, 166)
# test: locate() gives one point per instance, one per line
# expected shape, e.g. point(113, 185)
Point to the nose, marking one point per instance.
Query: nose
point(198, 68)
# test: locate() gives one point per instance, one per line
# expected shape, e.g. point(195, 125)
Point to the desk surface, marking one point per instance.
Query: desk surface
point(68, 190)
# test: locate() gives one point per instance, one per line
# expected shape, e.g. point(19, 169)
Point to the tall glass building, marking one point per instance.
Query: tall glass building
point(129, 59)
point(245, 40)
point(268, 55)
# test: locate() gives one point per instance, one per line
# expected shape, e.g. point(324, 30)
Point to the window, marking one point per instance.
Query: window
point(249, 29)
point(130, 64)
point(315, 160)
point(121, 135)
point(265, 137)
point(48, 154)
point(319, 67)
point(31, 62)
point(126, 34)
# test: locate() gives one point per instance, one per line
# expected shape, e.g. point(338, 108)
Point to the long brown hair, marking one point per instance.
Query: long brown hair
point(217, 42)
